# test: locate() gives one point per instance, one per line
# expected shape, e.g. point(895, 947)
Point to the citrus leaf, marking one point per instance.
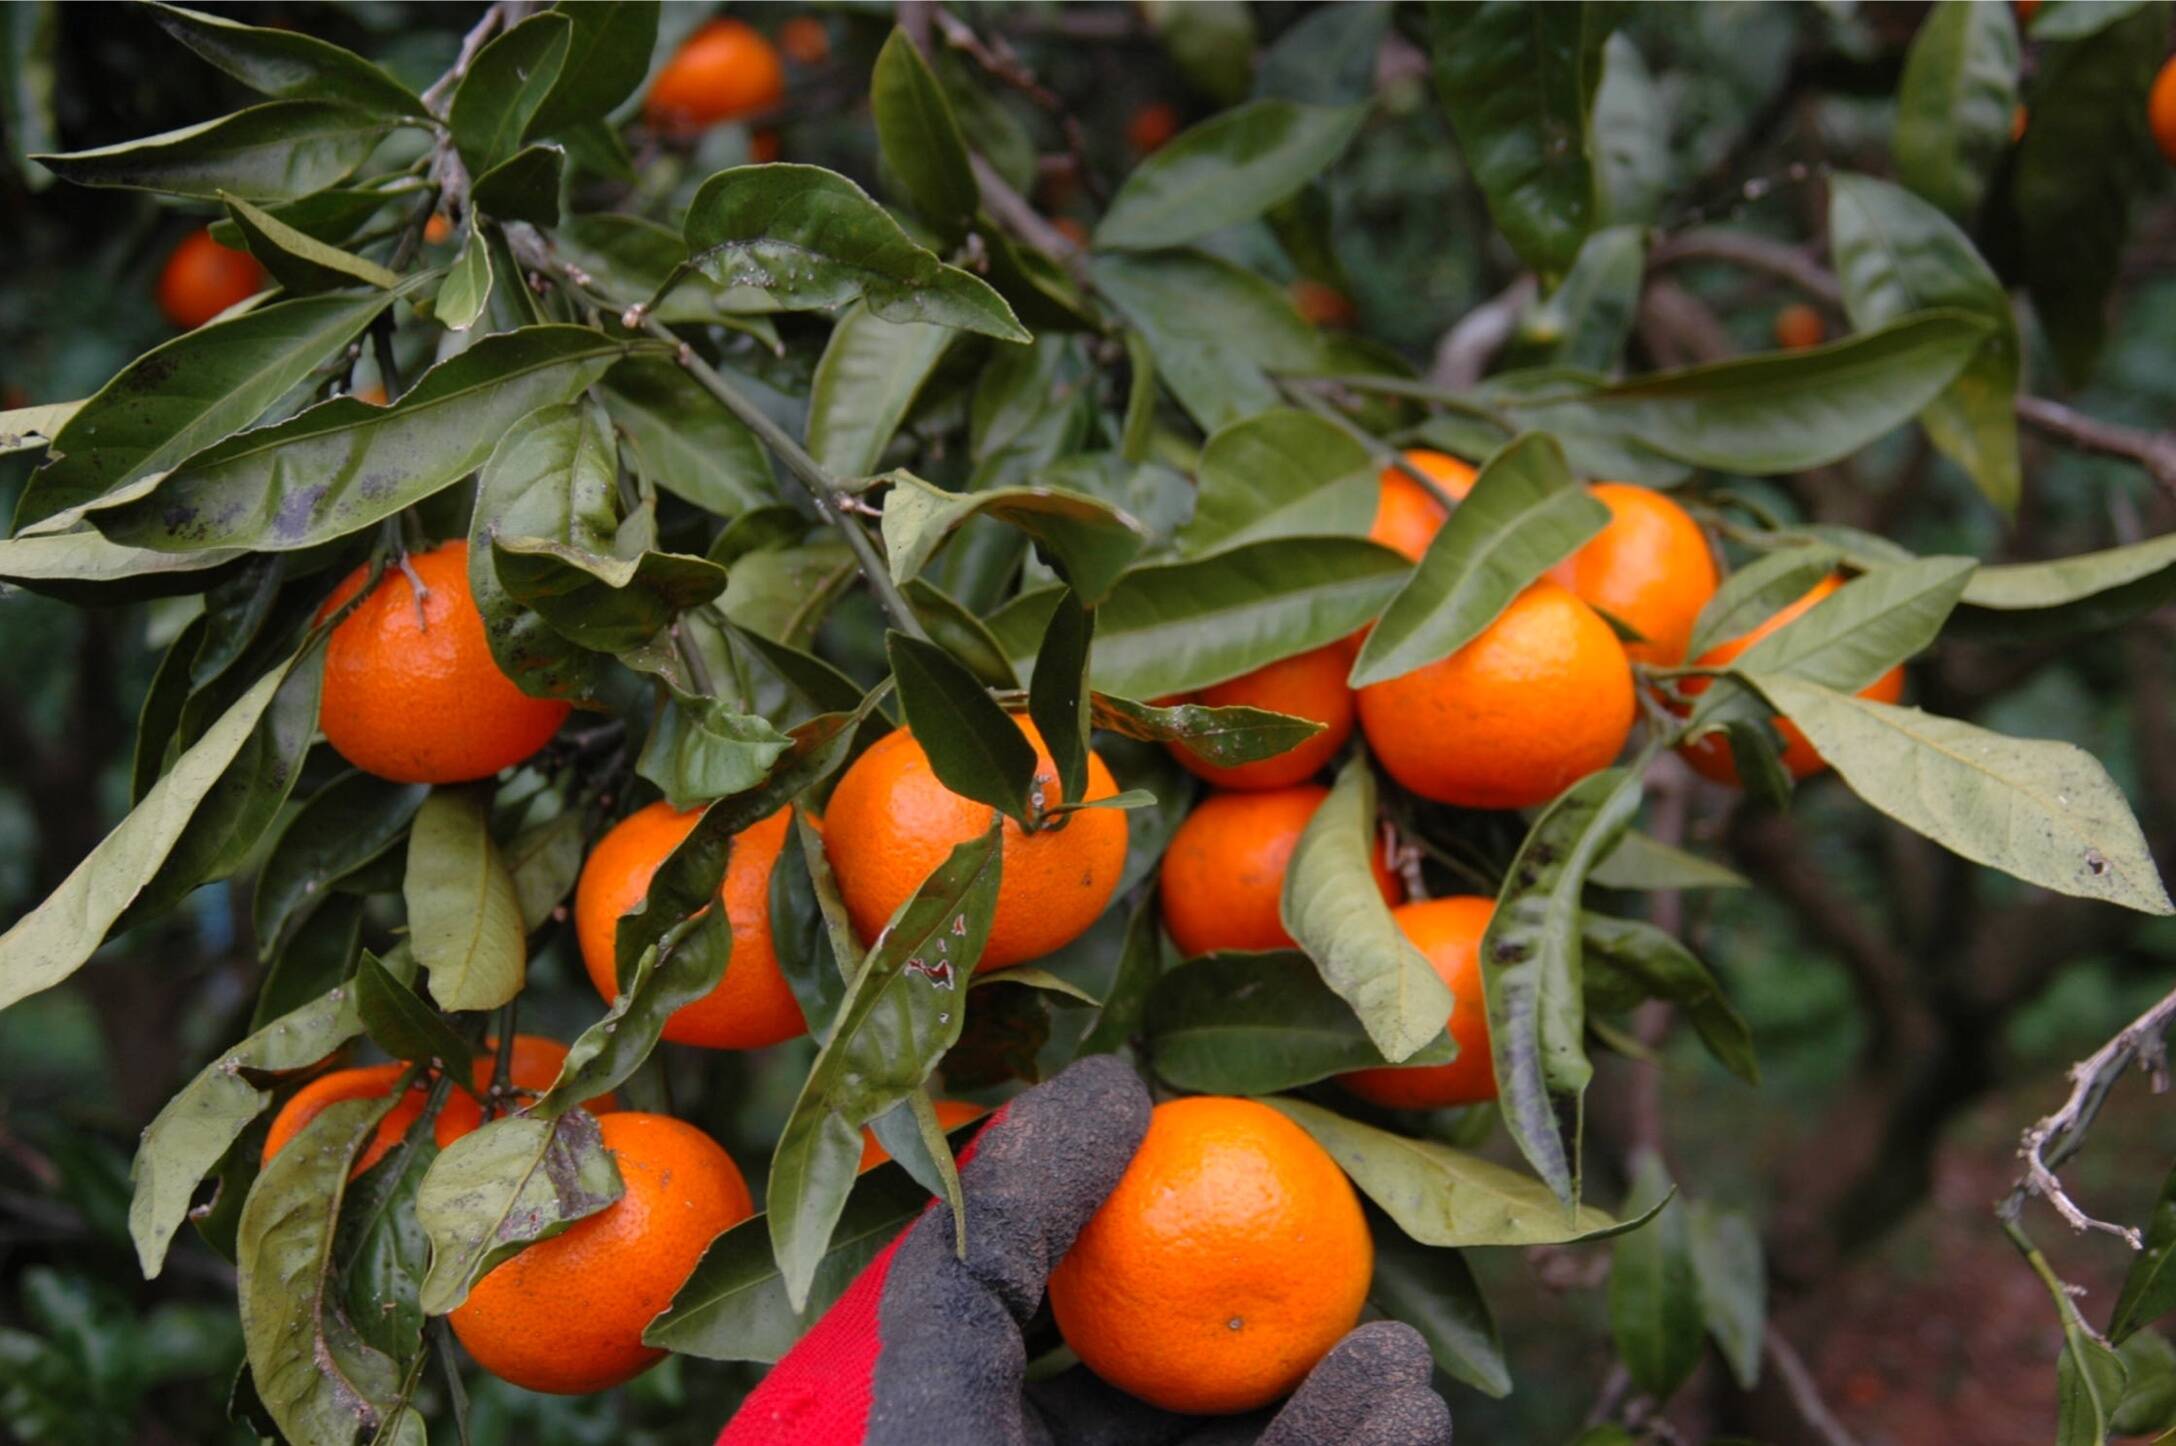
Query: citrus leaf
point(1216, 330)
point(1283, 473)
point(344, 464)
point(1733, 1281)
point(701, 749)
point(1654, 1297)
point(1174, 627)
point(1630, 137)
point(1331, 906)
point(974, 747)
point(383, 1254)
point(686, 965)
point(1586, 321)
point(813, 239)
point(300, 263)
point(952, 627)
point(1245, 1024)
point(464, 920)
point(287, 64)
point(1866, 627)
point(1627, 960)
point(548, 477)
point(544, 861)
point(1140, 960)
point(1953, 106)
point(2043, 811)
point(1758, 591)
point(1091, 540)
point(403, 1025)
point(2062, 581)
point(1524, 515)
point(53, 940)
point(1640, 861)
point(608, 54)
point(466, 291)
point(2149, 1287)
point(1439, 1195)
point(323, 950)
point(523, 187)
point(818, 951)
point(1059, 701)
point(603, 602)
point(1433, 1291)
point(331, 216)
point(32, 429)
point(865, 382)
point(505, 88)
point(1230, 168)
point(630, 256)
point(1225, 737)
point(2076, 19)
point(1531, 969)
point(921, 139)
point(516, 1180)
point(273, 152)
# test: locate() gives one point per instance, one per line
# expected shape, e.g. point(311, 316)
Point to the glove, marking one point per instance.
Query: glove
point(924, 1349)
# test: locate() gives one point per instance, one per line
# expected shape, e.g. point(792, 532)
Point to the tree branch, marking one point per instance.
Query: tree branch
point(2155, 451)
point(1805, 1395)
point(1794, 264)
point(1467, 348)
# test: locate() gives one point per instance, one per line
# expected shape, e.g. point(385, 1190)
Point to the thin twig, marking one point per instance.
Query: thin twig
point(999, 59)
point(1804, 1393)
point(441, 91)
point(1779, 259)
point(2155, 451)
point(1468, 347)
point(1380, 451)
point(1013, 212)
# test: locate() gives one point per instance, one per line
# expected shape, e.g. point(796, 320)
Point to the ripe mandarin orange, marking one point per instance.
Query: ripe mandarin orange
point(1799, 326)
point(1228, 1261)
point(1224, 871)
point(438, 230)
point(950, 1113)
point(2026, 9)
point(370, 1082)
point(724, 70)
point(1152, 126)
point(805, 39)
point(566, 1315)
point(532, 1069)
point(1710, 753)
point(763, 146)
point(371, 392)
point(1649, 567)
point(891, 823)
point(1320, 304)
point(2161, 109)
point(1406, 517)
point(1449, 932)
point(203, 278)
point(1307, 685)
point(752, 1006)
point(421, 700)
point(1542, 698)
point(2020, 122)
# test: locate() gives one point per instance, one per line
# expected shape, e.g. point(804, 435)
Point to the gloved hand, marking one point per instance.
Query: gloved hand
point(924, 1349)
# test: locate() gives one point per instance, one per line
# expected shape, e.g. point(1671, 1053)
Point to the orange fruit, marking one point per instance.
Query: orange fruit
point(1799, 326)
point(763, 147)
point(1649, 567)
point(2026, 9)
point(203, 278)
point(1223, 874)
point(2161, 109)
point(419, 699)
point(1307, 685)
point(724, 70)
point(891, 823)
point(752, 1006)
point(805, 40)
point(438, 230)
point(950, 1113)
point(368, 1083)
point(2020, 119)
point(371, 392)
point(1710, 753)
point(533, 1068)
point(1071, 229)
point(1228, 1261)
point(1151, 126)
point(566, 1315)
point(1406, 517)
point(1449, 932)
point(1321, 305)
point(1542, 698)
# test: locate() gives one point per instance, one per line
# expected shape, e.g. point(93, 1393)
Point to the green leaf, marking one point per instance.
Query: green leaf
point(701, 749)
point(506, 87)
point(1230, 168)
point(783, 595)
point(1758, 591)
point(734, 1306)
point(1091, 540)
point(1524, 515)
point(1586, 321)
point(319, 1379)
point(600, 601)
point(1216, 330)
point(1327, 57)
point(1760, 415)
point(383, 1253)
point(959, 632)
point(1654, 1297)
point(523, 187)
point(466, 291)
point(272, 152)
point(629, 256)
point(1519, 81)
point(332, 216)
point(544, 860)
point(80, 566)
point(1895, 255)
point(694, 448)
point(2059, 582)
point(2147, 1406)
point(547, 478)
point(1733, 1281)
point(2089, 1379)
point(403, 1025)
point(1140, 961)
point(1282, 473)
point(287, 64)
point(1643, 862)
point(53, 940)
point(1212, 42)
point(138, 426)
point(818, 951)
point(1059, 701)
point(321, 953)
point(517, 1180)
point(902, 1012)
point(28, 38)
point(1247, 1024)
point(1176, 627)
point(344, 825)
point(1627, 960)
point(1439, 1195)
point(2149, 1288)
point(865, 383)
point(300, 263)
point(921, 139)
point(1331, 906)
point(1434, 1292)
point(31, 429)
point(1531, 969)
point(2043, 811)
point(974, 747)
point(2076, 19)
point(813, 240)
point(1630, 138)
point(608, 54)
point(464, 920)
point(1953, 106)
point(1866, 627)
point(1225, 737)
point(364, 463)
